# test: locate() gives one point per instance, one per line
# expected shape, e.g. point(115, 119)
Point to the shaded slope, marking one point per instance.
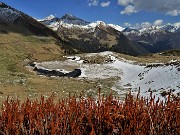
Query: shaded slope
point(100, 38)
point(18, 22)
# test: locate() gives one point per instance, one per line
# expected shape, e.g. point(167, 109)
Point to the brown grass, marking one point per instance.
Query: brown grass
point(150, 58)
point(17, 81)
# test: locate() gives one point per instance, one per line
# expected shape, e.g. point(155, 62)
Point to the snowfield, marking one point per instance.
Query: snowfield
point(156, 79)
point(131, 76)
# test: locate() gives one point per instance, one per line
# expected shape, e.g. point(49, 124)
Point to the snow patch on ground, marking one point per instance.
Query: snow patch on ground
point(132, 76)
point(99, 71)
point(156, 79)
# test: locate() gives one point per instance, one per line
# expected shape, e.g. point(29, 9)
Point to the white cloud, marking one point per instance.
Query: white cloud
point(142, 25)
point(127, 24)
point(93, 2)
point(129, 10)
point(169, 7)
point(105, 4)
point(145, 24)
point(158, 22)
point(125, 2)
point(173, 12)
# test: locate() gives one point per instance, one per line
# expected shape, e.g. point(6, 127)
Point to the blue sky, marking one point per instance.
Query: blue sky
point(121, 12)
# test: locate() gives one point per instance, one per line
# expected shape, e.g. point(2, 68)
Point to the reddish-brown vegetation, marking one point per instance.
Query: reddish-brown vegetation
point(107, 115)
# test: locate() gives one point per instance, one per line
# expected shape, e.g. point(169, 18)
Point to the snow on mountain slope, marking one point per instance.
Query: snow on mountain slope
point(51, 21)
point(70, 21)
point(90, 27)
point(72, 25)
point(8, 15)
point(131, 76)
point(153, 29)
point(48, 18)
point(171, 27)
point(117, 27)
point(156, 38)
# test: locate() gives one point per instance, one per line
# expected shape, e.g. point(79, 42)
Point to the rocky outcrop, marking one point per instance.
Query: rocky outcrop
point(75, 73)
point(49, 73)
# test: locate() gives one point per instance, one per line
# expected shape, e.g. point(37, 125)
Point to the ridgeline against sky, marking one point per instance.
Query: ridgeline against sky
point(122, 12)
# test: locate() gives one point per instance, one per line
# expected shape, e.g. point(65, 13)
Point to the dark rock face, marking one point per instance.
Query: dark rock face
point(103, 38)
point(49, 73)
point(75, 73)
point(55, 73)
point(156, 41)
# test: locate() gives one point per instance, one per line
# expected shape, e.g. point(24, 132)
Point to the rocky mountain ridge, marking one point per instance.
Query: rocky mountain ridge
point(70, 21)
point(153, 39)
point(156, 38)
point(92, 37)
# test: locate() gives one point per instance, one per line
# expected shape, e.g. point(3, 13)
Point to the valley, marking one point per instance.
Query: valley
point(106, 54)
point(91, 67)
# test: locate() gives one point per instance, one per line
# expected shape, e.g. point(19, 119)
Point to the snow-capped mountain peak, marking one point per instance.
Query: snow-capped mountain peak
point(153, 29)
point(51, 21)
point(171, 27)
point(49, 17)
point(70, 19)
point(117, 27)
point(69, 16)
point(97, 23)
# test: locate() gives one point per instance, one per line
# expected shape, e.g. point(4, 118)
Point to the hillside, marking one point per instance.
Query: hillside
point(27, 25)
point(22, 41)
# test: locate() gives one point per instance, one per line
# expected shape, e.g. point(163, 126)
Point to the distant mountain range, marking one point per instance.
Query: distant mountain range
point(71, 21)
point(92, 37)
point(75, 35)
point(153, 39)
point(156, 38)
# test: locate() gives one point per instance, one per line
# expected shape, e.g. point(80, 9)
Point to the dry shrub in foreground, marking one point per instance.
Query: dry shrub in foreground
point(77, 116)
